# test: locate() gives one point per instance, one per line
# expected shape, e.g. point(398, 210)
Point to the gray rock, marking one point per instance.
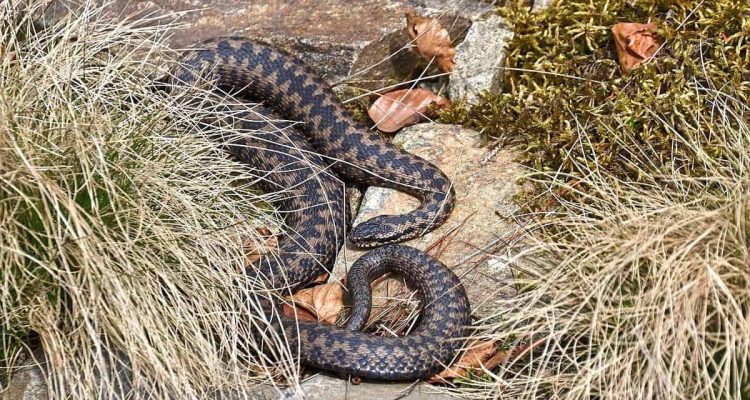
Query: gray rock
point(335, 38)
point(327, 387)
point(31, 374)
point(480, 59)
point(389, 60)
point(28, 381)
point(484, 190)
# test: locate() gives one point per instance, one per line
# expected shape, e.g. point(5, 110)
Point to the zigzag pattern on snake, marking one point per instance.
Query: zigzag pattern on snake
point(308, 162)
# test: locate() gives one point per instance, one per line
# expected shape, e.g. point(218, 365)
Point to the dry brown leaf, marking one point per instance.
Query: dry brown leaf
point(323, 303)
point(400, 108)
point(253, 252)
point(635, 43)
point(431, 40)
point(301, 313)
point(480, 353)
point(323, 278)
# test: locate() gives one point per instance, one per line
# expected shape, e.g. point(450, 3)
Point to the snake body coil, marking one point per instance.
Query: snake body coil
point(307, 162)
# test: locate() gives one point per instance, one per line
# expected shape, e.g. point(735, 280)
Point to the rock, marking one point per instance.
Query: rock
point(30, 376)
point(335, 38)
point(325, 387)
point(28, 381)
point(388, 60)
point(484, 190)
point(480, 59)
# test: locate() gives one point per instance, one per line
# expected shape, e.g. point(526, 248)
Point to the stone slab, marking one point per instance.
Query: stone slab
point(328, 34)
point(480, 59)
point(329, 387)
point(484, 190)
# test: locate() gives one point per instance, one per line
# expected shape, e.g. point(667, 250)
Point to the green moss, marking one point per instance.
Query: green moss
point(566, 99)
point(357, 107)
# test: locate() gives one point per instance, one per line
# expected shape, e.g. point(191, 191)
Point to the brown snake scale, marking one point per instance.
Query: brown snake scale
point(307, 162)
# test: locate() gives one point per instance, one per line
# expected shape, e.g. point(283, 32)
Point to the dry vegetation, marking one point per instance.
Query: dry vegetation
point(635, 281)
point(121, 227)
point(120, 231)
point(641, 289)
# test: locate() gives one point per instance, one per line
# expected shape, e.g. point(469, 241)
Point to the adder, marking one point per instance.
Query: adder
point(308, 162)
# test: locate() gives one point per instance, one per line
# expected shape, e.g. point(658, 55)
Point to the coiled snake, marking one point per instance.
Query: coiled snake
point(308, 161)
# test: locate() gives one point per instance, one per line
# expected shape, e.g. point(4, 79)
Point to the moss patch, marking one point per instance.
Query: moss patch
point(566, 98)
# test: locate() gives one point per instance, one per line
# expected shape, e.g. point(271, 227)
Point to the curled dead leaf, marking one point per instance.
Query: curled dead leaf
point(301, 313)
point(431, 40)
point(635, 43)
point(482, 354)
point(323, 278)
point(254, 251)
point(477, 355)
point(400, 108)
point(321, 303)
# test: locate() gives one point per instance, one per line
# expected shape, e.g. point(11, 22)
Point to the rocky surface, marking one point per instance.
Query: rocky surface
point(480, 59)
point(325, 387)
point(339, 38)
point(28, 383)
point(484, 189)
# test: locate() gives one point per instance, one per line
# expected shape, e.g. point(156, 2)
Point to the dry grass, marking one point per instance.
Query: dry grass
point(121, 229)
point(122, 232)
point(638, 290)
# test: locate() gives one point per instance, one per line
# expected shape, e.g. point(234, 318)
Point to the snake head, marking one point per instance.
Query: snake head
point(379, 231)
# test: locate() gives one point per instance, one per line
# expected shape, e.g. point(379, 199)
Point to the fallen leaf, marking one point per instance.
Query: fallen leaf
point(482, 354)
point(321, 303)
point(323, 278)
point(477, 355)
point(431, 40)
point(254, 251)
point(400, 108)
point(635, 43)
point(301, 313)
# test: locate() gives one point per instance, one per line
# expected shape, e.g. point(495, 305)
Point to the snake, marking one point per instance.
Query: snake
point(310, 163)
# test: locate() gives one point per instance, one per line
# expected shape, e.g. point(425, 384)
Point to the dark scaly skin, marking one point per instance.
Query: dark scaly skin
point(317, 214)
point(427, 350)
point(314, 206)
point(264, 74)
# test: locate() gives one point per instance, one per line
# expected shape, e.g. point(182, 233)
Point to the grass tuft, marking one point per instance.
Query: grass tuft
point(634, 281)
point(122, 226)
point(642, 290)
point(636, 289)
